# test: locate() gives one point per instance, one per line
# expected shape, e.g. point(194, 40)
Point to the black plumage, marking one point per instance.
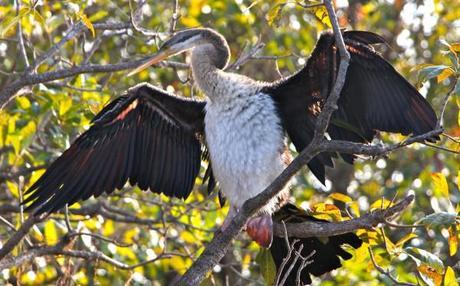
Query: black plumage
point(328, 251)
point(121, 144)
point(375, 97)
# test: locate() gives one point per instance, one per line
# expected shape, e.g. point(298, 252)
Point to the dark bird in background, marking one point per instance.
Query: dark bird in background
point(155, 139)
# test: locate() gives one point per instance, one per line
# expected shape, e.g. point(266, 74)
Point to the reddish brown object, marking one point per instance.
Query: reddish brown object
point(260, 229)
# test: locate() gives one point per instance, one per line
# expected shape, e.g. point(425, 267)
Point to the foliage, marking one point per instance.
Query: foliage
point(138, 226)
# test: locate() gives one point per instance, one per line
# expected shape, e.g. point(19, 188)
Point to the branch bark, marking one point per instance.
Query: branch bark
point(368, 221)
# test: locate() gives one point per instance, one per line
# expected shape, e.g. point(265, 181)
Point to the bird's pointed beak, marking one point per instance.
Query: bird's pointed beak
point(158, 57)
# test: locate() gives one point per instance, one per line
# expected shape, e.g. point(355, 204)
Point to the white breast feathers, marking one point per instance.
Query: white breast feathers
point(245, 140)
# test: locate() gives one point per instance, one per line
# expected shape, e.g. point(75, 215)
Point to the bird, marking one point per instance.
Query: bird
point(157, 140)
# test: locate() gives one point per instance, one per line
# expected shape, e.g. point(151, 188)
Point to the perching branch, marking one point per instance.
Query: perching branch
point(368, 221)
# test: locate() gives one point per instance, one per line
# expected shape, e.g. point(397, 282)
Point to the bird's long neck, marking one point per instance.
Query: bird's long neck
point(208, 61)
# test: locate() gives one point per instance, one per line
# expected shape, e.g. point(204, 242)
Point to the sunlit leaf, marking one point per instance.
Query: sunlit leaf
point(430, 72)
point(9, 23)
point(87, 22)
point(453, 240)
point(381, 204)
point(340, 197)
point(23, 102)
point(440, 185)
point(267, 266)
point(430, 275)
point(320, 13)
point(421, 256)
point(455, 47)
point(326, 209)
point(445, 74)
point(274, 14)
point(405, 238)
point(50, 231)
point(65, 105)
point(13, 187)
point(449, 277)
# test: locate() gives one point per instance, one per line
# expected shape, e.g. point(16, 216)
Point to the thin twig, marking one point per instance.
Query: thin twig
point(387, 272)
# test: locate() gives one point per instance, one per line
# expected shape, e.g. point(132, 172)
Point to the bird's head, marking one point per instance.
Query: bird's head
point(186, 40)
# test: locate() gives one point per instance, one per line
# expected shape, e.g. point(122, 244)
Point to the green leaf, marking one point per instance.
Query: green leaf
point(430, 72)
point(438, 219)
point(267, 266)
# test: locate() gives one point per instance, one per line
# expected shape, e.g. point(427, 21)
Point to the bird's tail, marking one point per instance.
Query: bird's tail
point(327, 250)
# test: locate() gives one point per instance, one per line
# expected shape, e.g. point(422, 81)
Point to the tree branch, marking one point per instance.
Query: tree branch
point(368, 221)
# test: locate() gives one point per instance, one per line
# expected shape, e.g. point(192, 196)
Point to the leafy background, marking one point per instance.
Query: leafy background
point(138, 226)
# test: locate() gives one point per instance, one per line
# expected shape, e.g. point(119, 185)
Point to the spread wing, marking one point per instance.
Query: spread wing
point(375, 97)
point(146, 136)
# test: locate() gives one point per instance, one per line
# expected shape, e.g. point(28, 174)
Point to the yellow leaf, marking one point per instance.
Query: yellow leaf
point(9, 23)
point(440, 184)
point(320, 13)
point(430, 273)
point(13, 188)
point(87, 22)
point(449, 277)
point(130, 235)
point(406, 238)
point(50, 231)
point(455, 47)
point(64, 105)
point(189, 22)
point(453, 240)
point(340, 197)
point(381, 204)
point(23, 102)
point(458, 174)
point(444, 74)
point(326, 209)
point(108, 228)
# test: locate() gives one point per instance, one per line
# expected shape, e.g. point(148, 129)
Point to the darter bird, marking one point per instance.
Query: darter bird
point(155, 139)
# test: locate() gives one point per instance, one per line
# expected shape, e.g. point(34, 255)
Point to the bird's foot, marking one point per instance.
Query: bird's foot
point(260, 229)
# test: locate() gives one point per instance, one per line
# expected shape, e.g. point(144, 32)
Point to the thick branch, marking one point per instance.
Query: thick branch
point(311, 229)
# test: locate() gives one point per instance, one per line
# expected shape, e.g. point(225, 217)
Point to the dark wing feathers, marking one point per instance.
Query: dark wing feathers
point(375, 97)
point(147, 136)
point(328, 250)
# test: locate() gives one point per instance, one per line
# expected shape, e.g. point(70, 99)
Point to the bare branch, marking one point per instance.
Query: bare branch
point(7, 93)
point(17, 237)
point(386, 272)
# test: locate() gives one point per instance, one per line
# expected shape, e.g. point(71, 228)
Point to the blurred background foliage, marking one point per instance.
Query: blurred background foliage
point(139, 226)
